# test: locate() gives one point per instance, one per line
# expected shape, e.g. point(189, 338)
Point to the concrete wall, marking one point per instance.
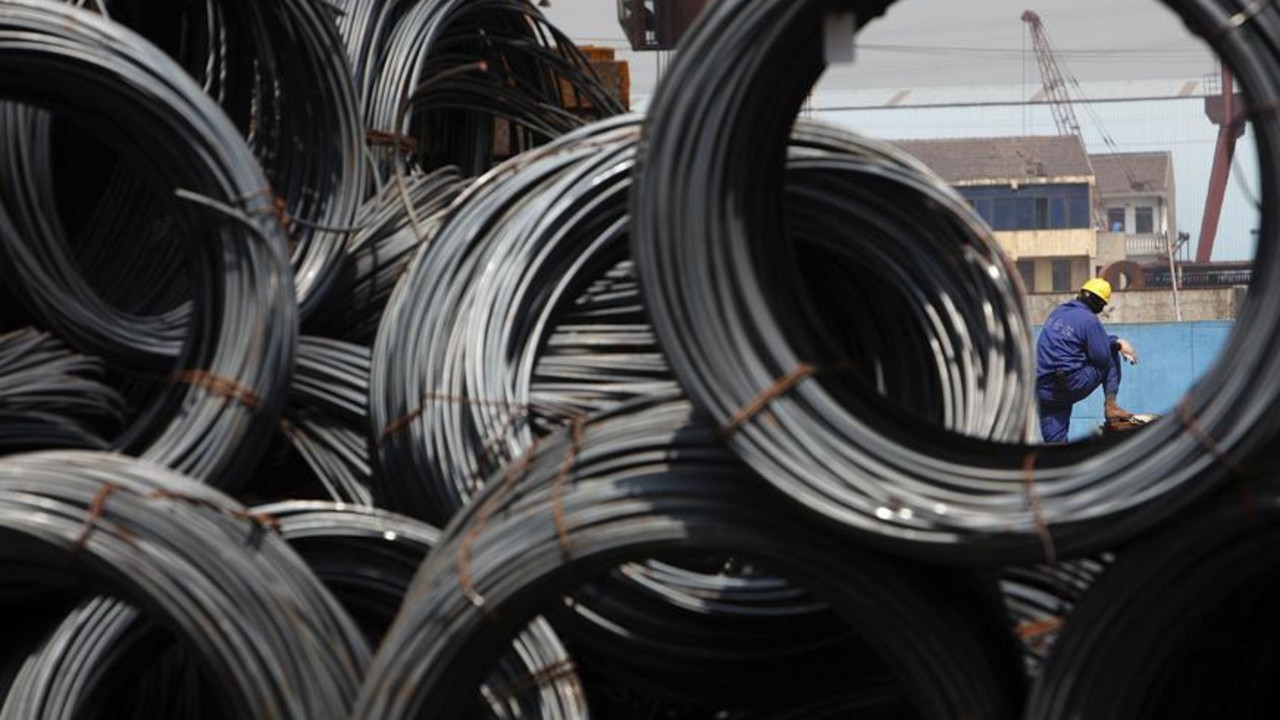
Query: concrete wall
point(1048, 243)
point(1171, 357)
point(1111, 248)
point(1151, 306)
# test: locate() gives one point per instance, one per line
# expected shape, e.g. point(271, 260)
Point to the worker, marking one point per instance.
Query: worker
point(1075, 355)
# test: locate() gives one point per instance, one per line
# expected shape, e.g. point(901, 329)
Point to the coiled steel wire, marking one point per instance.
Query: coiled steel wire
point(467, 83)
point(448, 389)
point(1182, 624)
point(268, 634)
point(365, 557)
point(51, 397)
point(600, 353)
point(456, 353)
point(326, 424)
point(383, 247)
point(720, 288)
point(1040, 599)
point(228, 383)
point(279, 70)
point(368, 558)
point(543, 238)
point(647, 481)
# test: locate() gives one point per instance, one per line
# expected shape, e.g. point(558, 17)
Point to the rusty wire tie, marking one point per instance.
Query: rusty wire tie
point(95, 511)
point(781, 387)
point(576, 436)
point(1246, 492)
point(509, 479)
point(404, 142)
point(515, 410)
point(765, 398)
point(225, 387)
point(1037, 509)
point(554, 671)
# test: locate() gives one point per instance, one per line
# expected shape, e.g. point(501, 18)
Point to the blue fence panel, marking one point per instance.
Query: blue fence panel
point(1171, 357)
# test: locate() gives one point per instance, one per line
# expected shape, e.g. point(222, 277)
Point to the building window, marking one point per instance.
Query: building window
point(1049, 207)
point(1143, 220)
point(1042, 213)
point(1027, 270)
point(1062, 275)
point(1115, 219)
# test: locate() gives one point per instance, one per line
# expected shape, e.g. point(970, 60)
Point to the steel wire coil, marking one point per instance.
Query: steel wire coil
point(107, 660)
point(646, 482)
point(60, 393)
point(229, 379)
point(368, 558)
point(438, 76)
point(505, 252)
point(543, 238)
point(325, 424)
point(709, 633)
point(601, 353)
point(717, 284)
point(491, 285)
point(1041, 598)
point(1181, 625)
point(535, 259)
point(279, 70)
point(393, 224)
point(266, 631)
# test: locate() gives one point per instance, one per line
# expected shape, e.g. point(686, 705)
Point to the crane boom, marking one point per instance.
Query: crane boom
point(1052, 77)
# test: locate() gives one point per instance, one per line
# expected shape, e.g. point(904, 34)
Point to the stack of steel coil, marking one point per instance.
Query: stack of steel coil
point(724, 414)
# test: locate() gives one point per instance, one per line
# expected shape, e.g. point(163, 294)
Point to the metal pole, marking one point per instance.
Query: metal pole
point(1173, 279)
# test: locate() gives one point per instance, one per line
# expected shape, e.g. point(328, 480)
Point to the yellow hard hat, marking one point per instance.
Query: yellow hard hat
point(1098, 287)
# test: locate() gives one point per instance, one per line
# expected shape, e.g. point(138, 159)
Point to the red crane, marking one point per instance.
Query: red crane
point(1228, 113)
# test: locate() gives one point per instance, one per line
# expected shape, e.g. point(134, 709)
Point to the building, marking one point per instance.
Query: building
point(1123, 116)
point(1036, 193)
point(1137, 197)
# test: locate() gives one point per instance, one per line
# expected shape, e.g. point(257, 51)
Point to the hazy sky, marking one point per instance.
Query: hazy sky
point(924, 43)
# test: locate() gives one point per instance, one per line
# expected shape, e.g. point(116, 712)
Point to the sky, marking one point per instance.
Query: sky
point(948, 43)
point(928, 43)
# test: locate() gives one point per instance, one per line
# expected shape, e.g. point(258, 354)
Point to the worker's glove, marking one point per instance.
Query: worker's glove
point(1127, 351)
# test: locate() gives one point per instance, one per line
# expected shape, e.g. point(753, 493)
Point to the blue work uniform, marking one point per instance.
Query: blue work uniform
point(1074, 355)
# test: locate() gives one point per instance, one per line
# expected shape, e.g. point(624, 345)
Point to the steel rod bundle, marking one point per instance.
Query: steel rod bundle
point(269, 635)
point(708, 247)
point(1181, 625)
point(465, 83)
point(58, 395)
point(645, 482)
point(227, 385)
